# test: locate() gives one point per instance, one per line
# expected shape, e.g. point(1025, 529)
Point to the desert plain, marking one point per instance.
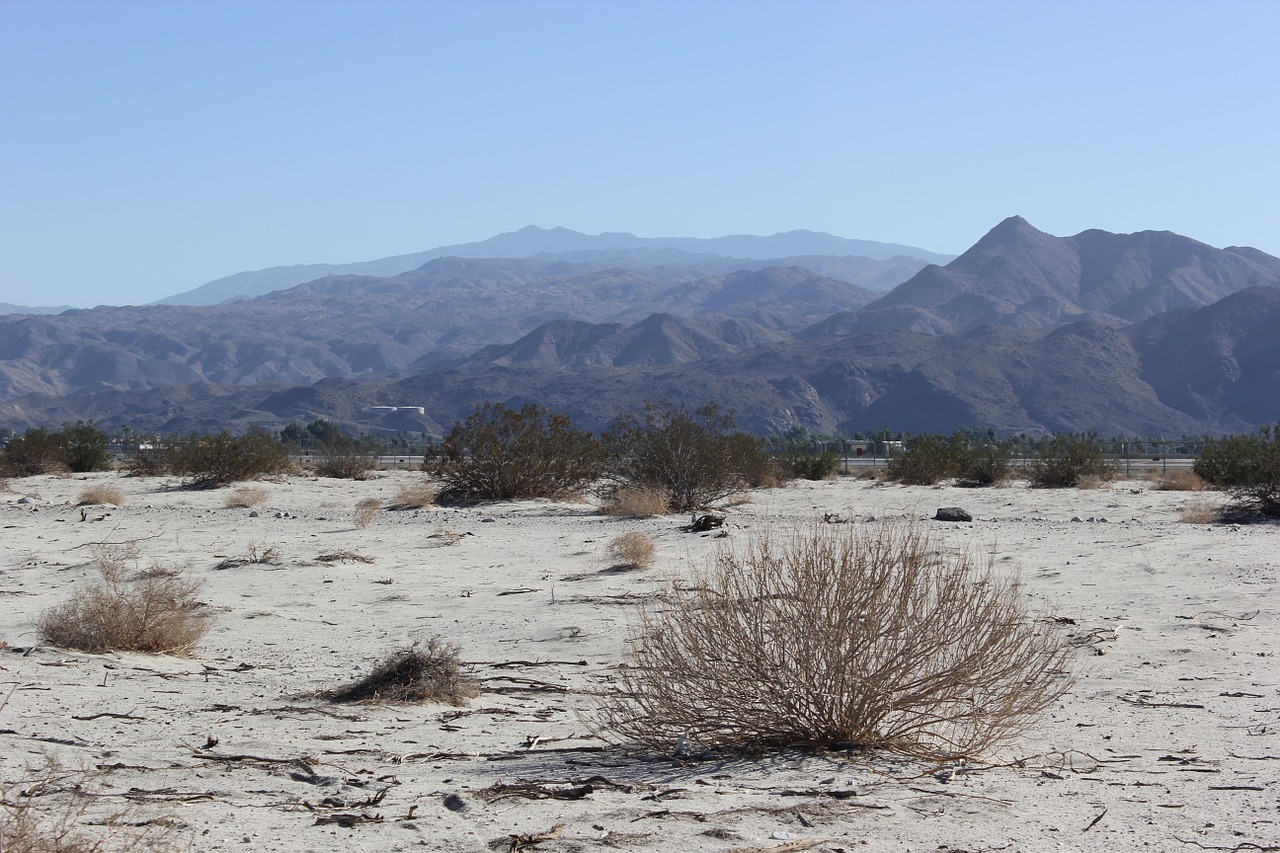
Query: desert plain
point(1168, 739)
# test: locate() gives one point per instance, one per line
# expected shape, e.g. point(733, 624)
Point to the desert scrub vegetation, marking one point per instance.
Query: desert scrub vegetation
point(1179, 480)
point(634, 503)
point(512, 454)
point(1070, 461)
point(430, 672)
point(79, 448)
point(365, 512)
point(345, 461)
point(101, 494)
point(150, 611)
point(873, 637)
point(52, 809)
point(809, 465)
point(1248, 467)
point(692, 458)
point(209, 461)
point(929, 459)
point(245, 497)
point(632, 549)
point(415, 495)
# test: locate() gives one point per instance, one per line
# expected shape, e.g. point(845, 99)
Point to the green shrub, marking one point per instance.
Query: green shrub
point(36, 451)
point(1067, 461)
point(1248, 466)
point(691, 457)
point(209, 461)
point(345, 460)
point(504, 454)
point(984, 466)
point(803, 465)
point(86, 448)
point(927, 459)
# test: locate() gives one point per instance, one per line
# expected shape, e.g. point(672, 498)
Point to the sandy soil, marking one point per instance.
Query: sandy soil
point(1168, 740)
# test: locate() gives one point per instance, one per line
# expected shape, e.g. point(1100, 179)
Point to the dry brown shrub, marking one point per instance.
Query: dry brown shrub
point(100, 493)
point(344, 557)
point(635, 503)
point(1180, 480)
point(52, 810)
point(632, 549)
point(149, 612)
point(414, 495)
point(1200, 511)
point(433, 673)
point(868, 472)
point(366, 511)
point(245, 497)
point(839, 635)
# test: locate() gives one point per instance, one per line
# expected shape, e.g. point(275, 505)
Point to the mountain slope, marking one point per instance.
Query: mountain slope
point(1019, 276)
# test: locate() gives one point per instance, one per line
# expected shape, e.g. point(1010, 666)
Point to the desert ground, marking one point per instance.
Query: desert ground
point(1168, 739)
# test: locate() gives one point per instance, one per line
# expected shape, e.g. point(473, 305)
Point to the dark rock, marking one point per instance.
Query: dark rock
point(703, 523)
point(952, 513)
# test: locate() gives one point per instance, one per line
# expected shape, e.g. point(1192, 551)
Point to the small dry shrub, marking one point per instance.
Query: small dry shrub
point(431, 673)
point(838, 635)
point(344, 556)
point(347, 463)
point(632, 549)
point(1180, 480)
point(414, 495)
point(635, 502)
point(51, 810)
point(149, 612)
point(1200, 511)
point(245, 497)
point(447, 536)
point(366, 511)
point(100, 493)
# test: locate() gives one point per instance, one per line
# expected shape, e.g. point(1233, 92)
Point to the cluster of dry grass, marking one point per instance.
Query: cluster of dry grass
point(635, 502)
point(430, 673)
point(245, 497)
point(366, 511)
point(415, 495)
point(101, 494)
point(148, 611)
point(632, 549)
point(874, 639)
point(1180, 480)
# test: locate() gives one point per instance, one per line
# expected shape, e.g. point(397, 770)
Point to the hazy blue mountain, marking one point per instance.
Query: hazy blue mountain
point(533, 241)
point(10, 308)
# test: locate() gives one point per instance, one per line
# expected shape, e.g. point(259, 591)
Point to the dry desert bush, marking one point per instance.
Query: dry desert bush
point(148, 612)
point(50, 811)
point(430, 673)
point(1200, 511)
point(837, 635)
point(1180, 480)
point(245, 497)
point(635, 502)
point(415, 495)
point(366, 511)
point(632, 549)
point(100, 493)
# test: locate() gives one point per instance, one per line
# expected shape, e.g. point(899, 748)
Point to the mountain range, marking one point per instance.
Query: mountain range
point(1134, 334)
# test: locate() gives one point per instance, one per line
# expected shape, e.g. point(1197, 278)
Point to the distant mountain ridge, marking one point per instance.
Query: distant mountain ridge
point(1117, 333)
point(546, 243)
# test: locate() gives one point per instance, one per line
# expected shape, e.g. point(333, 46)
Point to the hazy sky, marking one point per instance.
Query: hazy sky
point(149, 147)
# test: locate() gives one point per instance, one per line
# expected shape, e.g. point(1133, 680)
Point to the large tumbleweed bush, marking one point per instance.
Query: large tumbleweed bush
point(151, 611)
point(860, 637)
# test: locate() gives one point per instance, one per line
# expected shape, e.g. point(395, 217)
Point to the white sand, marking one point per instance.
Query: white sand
point(1169, 739)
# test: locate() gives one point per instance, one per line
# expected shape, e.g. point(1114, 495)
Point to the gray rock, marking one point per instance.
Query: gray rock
point(952, 513)
point(253, 514)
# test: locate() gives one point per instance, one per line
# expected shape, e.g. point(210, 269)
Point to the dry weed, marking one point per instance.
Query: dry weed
point(100, 493)
point(1201, 511)
point(150, 612)
point(447, 536)
point(433, 673)
point(344, 557)
point(635, 503)
point(366, 511)
point(1180, 480)
point(51, 811)
point(632, 549)
point(837, 636)
point(414, 495)
point(245, 497)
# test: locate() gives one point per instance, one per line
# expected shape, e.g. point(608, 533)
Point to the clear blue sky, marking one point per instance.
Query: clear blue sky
point(149, 146)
